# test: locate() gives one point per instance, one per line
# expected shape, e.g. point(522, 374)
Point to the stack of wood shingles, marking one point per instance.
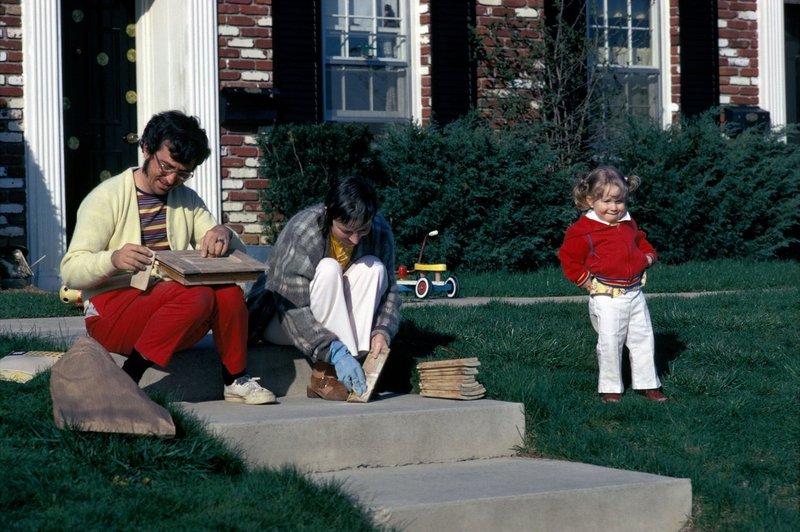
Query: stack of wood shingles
point(450, 379)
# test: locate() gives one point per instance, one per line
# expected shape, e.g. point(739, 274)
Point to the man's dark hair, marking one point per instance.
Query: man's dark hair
point(350, 200)
point(187, 141)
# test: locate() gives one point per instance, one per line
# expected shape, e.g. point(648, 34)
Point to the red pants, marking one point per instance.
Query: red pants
point(170, 317)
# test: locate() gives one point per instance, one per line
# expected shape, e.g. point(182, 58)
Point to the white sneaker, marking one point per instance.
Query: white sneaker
point(246, 390)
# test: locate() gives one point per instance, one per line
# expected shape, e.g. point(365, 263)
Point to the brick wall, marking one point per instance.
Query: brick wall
point(12, 164)
point(425, 60)
point(245, 60)
point(526, 14)
point(738, 52)
point(675, 59)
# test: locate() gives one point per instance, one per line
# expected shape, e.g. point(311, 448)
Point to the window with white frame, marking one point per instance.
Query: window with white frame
point(365, 49)
point(625, 59)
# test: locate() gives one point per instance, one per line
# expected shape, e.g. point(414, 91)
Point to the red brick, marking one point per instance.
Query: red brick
point(256, 183)
point(229, 75)
point(242, 195)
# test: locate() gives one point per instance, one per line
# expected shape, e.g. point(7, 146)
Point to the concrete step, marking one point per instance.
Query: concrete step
point(391, 430)
point(195, 375)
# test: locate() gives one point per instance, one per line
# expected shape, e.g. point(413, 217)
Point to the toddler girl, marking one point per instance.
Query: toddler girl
point(605, 253)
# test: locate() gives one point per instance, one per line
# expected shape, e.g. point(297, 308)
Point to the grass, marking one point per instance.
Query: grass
point(727, 274)
point(731, 364)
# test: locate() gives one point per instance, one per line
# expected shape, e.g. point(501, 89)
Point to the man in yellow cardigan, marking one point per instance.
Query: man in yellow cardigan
point(121, 224)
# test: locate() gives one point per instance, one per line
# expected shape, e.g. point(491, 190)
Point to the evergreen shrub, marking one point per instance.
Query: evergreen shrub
point(496, 197)
point(706, 195)
point(501, 201)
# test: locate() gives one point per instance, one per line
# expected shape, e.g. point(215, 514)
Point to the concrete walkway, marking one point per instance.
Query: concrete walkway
point(417, 463)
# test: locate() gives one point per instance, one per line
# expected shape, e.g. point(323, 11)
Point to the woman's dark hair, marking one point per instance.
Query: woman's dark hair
point(351, 200)
point(186, 140)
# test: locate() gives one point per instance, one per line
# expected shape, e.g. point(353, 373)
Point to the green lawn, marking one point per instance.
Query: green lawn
point(731, 365)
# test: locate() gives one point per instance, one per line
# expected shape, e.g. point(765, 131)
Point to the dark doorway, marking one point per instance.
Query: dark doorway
point(698, 22)
point(297, 60)
point(792, 35)
point(453, 74)
point(99, 73)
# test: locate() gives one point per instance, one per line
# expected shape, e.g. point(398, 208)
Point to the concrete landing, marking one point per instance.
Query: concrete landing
point(517, 494)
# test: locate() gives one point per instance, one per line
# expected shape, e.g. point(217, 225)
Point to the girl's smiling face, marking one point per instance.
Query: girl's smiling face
point(609, 205)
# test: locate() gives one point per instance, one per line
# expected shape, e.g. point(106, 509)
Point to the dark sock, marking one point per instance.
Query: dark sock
point(228, 378)
point(136, 365)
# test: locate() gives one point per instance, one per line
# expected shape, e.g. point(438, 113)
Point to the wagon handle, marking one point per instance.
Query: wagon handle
point(424, 240)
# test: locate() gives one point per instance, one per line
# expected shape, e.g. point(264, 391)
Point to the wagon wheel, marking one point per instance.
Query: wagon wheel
point(422, 288)
point(452, 286)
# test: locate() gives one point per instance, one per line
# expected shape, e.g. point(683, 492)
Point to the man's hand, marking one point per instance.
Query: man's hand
point(132, 258)
point(215, 242)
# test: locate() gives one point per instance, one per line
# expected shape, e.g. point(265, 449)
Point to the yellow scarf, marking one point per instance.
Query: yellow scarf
point(339, 251)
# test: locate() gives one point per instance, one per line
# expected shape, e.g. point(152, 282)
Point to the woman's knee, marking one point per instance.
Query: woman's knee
point(328, 269)
point(368, 264)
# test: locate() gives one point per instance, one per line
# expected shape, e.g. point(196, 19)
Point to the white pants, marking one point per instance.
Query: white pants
point(620, 321)
point(344, 303)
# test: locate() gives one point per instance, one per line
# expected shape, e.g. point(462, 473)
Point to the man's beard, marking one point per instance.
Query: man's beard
point(146, 165)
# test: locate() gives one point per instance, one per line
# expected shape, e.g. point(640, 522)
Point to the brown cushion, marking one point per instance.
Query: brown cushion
point(91, 393)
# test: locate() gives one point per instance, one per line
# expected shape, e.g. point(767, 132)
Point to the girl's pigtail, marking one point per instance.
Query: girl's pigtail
point(581, 191)
point(633, 182)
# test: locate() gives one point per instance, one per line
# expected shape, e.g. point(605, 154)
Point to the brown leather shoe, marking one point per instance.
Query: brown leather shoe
point(324, 384)
point(654, 395)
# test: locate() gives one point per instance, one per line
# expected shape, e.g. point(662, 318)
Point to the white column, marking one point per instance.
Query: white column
point(176, 49)
point(771, 57)
point(664, 38)
point(43, 134)
point(202, 95)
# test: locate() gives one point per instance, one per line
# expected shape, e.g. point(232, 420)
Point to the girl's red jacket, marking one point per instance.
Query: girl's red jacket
point(615, 254)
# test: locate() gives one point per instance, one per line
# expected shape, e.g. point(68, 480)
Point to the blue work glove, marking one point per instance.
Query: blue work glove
point(348, 370)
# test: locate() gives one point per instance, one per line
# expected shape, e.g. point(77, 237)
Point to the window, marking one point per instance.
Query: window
point(625, 57)
point(366, 72)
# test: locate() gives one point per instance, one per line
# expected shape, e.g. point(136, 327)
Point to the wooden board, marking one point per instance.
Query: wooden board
point(454, 363)
point(189, 268)
point(447, 372)
point(22, 366)
point(445, 394)
point(372, 370)
point(447, 382)
point(471, 387)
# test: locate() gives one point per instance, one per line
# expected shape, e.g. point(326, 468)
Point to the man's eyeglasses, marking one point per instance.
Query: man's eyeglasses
point(166, 169)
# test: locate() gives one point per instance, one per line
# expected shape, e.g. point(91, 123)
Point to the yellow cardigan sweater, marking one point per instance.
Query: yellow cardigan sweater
point(108, 218)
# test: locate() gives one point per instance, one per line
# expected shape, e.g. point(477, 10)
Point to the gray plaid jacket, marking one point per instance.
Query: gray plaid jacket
point(283, 288)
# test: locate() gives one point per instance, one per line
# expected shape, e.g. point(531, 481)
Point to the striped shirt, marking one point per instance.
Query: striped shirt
point(153, 220)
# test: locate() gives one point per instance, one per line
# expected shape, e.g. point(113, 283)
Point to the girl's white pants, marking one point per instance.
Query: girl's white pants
point(343, 302)
point(619, 321)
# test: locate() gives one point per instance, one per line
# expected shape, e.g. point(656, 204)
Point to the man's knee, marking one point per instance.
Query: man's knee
point(200, 301)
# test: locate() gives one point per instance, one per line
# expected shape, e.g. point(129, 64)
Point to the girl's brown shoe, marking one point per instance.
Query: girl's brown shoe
point(654, 395)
